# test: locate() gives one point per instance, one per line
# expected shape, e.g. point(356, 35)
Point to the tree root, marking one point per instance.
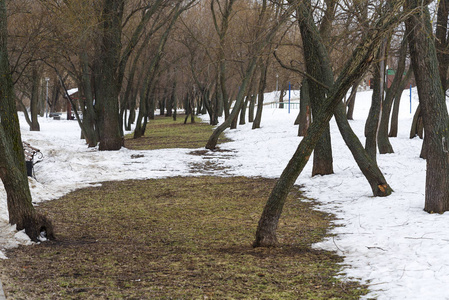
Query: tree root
point(37, 226)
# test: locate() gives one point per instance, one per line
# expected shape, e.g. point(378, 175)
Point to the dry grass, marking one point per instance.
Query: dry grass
point(163, 132)
point(176, 238)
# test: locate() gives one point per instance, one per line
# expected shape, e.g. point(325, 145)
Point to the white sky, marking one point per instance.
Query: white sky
point(389, 242)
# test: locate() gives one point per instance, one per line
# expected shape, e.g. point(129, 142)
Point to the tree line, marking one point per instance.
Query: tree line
point(217, 57)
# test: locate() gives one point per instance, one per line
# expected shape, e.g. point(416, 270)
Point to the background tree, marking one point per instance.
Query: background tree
point(262, 39)
point(433, 104)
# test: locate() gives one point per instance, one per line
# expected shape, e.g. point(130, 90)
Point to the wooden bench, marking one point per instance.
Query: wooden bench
point(30, 152)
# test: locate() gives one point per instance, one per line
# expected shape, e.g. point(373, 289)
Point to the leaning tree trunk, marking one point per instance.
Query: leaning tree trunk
point(354, 69)
point(12, 161)
point(433, 102)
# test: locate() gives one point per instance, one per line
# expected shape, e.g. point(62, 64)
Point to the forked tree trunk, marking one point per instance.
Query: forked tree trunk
point(433, 102)
point(354, 69)
point(397, 100)
point(322, 155)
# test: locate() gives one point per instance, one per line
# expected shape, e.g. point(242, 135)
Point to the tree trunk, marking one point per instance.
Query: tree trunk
point(322, 155)
point(281, 97)
point(397, 100)
point(372, 123)
point(304, 116)
point(260, 96)
point(351, 101)
point(12, 161)
point(89, 117)
point(384, 144)
point(25, 111)
point(353, 69)
point(417, 128)
point(245, 103)
point(441, 41)
point(252, 106)
point(226, 12)
point(34, 105)
point(107, 85)
point(171, 99)
point(433, 104)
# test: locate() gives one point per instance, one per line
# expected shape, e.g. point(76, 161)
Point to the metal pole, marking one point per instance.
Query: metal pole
point(277, 82)
point(289, 93)
point(46, 98)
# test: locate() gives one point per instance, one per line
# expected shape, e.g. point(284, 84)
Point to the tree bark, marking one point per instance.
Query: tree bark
point(433, 104)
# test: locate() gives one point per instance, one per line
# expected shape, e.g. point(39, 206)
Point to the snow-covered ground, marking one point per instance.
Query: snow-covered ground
point(391, 243)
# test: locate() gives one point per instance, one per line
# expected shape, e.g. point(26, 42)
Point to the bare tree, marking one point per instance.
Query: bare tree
point(12, 161)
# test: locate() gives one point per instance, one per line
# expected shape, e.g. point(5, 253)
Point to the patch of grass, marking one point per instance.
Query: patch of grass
point(176, 238)
point(163, 132)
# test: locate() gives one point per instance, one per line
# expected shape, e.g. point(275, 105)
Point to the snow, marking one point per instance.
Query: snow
point(72, 91)
point(389, 243)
